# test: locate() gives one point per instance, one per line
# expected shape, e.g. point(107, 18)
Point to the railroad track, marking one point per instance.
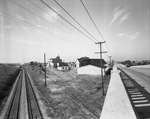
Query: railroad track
point(138, 96)
point(14, 107)
point(33, 107)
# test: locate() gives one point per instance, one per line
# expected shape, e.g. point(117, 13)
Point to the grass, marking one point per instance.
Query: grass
point(68, 95)
point(7, 78)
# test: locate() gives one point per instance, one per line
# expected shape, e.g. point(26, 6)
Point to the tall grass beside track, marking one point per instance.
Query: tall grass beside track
point(8, 76)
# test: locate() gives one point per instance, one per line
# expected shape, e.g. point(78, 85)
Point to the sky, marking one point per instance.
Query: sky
point(29, 28)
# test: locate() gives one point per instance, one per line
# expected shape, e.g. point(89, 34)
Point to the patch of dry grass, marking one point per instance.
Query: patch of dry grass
point(68, 95)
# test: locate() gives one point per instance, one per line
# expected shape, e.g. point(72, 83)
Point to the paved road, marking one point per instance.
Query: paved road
point(139, 74)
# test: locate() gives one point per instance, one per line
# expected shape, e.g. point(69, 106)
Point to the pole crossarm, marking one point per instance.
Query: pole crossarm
point(100, 52)
point(100, 42)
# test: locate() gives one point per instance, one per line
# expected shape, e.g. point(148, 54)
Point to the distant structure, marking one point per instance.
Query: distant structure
point(54, 62)
point(86, 65)
point(72, 64)
point(57, 63)
point(128, 63)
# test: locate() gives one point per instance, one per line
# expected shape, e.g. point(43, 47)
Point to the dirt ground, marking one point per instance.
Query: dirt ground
point(68, 95)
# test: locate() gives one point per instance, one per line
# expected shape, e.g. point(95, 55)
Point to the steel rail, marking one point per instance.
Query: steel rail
point(32, 102)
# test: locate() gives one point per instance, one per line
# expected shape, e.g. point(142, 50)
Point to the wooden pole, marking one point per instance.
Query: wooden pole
point(101, 64)
point(45, 67)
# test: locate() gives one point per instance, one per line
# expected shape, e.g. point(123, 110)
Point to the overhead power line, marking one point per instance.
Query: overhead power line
point(75, 20)
point(66, 20)
point(38, 16)
point(48, 13)
point(52, 16)
point(24, 22)
point(92, 19)
point(94, 24)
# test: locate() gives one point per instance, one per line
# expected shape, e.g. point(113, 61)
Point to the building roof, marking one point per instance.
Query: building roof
point(95, 62)
point(56, 60)
point(63, 64)
point(83, 58)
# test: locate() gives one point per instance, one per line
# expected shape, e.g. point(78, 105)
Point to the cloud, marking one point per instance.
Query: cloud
point(46, 28)
point(8, 27)
point(145, 28)
point(121, 34)
point(41, 27)
point(124, 17)
point(24, 41)
point(19, 17)
point(38, 25)
point(51, 16)
point(116, 14)
point(25, 28)
point(133, 36)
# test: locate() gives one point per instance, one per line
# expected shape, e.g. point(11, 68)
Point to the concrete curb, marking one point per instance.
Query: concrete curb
point(117, 104)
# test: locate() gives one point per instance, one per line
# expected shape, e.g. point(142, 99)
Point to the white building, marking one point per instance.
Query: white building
point(90, 66)
point(89, 69)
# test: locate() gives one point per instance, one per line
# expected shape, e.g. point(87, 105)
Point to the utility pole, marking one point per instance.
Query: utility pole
point(110, 59)
point(45, 67)
point(101, 64)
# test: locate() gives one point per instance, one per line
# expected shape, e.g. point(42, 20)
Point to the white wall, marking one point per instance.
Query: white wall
point(117, 104)
point(89, 69)
point(77, 64)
